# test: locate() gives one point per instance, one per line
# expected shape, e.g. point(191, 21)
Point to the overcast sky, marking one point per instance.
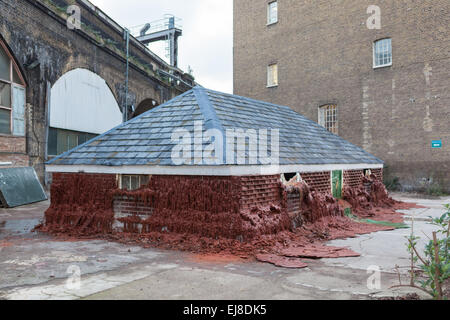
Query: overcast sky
point(207, 41)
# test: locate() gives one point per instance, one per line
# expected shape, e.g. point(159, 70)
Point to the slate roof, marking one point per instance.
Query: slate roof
point(146, 139)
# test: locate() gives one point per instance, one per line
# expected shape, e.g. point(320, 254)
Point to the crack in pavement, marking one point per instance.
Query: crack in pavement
point(369, 237)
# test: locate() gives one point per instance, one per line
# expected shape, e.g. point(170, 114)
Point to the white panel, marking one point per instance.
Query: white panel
point(18, 111)
point(209, 170)
point(82, 101)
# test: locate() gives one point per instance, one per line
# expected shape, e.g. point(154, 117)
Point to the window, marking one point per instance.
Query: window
point(12, 96)
point(133, 182)
point(382, 53)
point(272, 12)
point(328, 118)
point(287, 177)
point(61, 140)
point(272, 75)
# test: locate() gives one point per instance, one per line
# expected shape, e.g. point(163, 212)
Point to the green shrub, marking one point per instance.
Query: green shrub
point(435, 190)
point(435, 259)
point(392, 184)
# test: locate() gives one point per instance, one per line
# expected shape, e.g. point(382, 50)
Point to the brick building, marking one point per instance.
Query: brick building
point(61, 85)
point(206, 163)
point(377, 73)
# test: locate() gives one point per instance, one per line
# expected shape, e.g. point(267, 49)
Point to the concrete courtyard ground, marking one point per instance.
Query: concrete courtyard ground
point(37, 266)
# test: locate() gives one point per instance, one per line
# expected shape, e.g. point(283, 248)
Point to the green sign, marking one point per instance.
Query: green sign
point(436, 144)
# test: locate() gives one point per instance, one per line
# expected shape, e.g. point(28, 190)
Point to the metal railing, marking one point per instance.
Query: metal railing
point(168, 22)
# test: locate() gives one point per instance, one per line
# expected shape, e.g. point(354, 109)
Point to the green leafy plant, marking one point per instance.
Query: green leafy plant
point(392, 184)
point(435, 189)
point(435, 262)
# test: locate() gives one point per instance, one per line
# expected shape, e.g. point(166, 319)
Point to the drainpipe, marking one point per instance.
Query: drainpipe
point(47, 128)
point(127, 39)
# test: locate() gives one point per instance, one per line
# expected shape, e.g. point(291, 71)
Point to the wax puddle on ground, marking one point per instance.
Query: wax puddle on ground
point(289, 257)
point(17, 227)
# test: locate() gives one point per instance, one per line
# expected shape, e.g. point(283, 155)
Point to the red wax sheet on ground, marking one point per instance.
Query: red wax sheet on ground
point(281, 261)
point(317, 251)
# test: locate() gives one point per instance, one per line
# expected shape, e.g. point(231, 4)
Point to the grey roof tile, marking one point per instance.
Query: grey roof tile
point(146, 140)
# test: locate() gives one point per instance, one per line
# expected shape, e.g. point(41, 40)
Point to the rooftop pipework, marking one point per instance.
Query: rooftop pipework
point(167, 29)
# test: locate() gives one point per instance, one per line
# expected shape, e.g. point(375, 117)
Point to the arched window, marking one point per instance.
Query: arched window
point(328, 117)
point(12, 95)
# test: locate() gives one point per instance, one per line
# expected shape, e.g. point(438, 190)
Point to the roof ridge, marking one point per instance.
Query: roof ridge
point(212, 121)
point(208, 110)
point(249, 99)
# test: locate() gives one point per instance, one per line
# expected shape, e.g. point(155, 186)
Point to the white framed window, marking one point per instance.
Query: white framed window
point(12, 95)
point(272, 75)
point(133, 182)
point(272, 12)
point(328, 118)
point(382, 53)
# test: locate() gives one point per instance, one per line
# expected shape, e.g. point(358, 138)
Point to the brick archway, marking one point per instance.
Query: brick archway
point(144, 106)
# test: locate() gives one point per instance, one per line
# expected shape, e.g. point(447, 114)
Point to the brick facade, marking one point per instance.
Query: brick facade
point(129, 205)
point(294, 208)
point(378, 173)
point(318, 181)
point(353, 178)
point(103, 183)
point(13, 150)
point(254, 191)
point(204, 205)
point(259, 191)
point(324, 56)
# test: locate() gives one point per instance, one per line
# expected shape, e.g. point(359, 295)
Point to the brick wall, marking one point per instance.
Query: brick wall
point(353, 178)
point(255, 191)
point(211, 201)
point(128, 205)
point(207, 206)
point(74, 187)
point(124, 206)
point(16, 160)
point(195, 204)
point(12, 144)
point(212, 206)
point(294, 208)
point(324, 55)
point(318, 181)
point(82, 191)
point(13, 149)
point(378, 173)
point(259, 191)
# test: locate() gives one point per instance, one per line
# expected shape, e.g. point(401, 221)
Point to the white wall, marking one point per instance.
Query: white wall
point(82, 101)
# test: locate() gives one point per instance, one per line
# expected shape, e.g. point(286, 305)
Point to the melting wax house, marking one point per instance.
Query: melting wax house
point(205, 163)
